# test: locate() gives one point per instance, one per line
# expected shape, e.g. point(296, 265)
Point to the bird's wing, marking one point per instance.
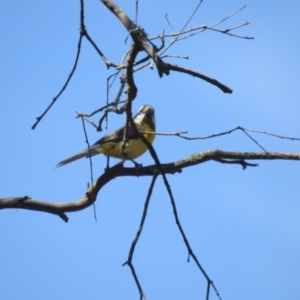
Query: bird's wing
point(117, 136)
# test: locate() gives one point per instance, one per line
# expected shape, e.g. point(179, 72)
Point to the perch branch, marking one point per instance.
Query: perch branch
point(118, 171)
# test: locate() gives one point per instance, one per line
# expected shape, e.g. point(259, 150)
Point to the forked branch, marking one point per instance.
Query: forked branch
point(118, 171)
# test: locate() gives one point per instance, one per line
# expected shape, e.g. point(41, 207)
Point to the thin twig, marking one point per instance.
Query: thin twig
point(178, 133)
point(108, 86)
point(137, 236)
point(79, 114)
point(180, 35)
point(244, 130)
point(169, 23)
point(256, 142)
point(190, 251)
point(91, 168)
point(182, 30)
point(228, 132)
point(136, 11)
point(83, 32)
point(268, 133)
point(106, 61)
point(229, 16)
point(223, 31)
point(64, 86)
point(161, 169)
point(227, 31)
point(86, 119)
point(175, 56)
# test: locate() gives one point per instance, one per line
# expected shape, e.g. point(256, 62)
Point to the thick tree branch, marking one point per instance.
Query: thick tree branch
point(118, 170)
point(138, 36)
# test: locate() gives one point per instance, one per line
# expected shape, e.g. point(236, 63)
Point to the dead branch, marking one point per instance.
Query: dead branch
point(144, 43)
point(83, 32)
point(118, 170)
point(138, 35)
point(140, 43)
point(181, 134)
point(216, 83)
point(135, 240)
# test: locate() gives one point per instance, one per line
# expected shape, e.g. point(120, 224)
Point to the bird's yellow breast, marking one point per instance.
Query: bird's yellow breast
point(135, 147)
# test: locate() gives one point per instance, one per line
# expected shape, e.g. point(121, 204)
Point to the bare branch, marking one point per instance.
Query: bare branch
point(229, 16)
point(118, 170)
point(113, 109)
point(107, 62)
point(169, 23)
point(138, 36)
point(135, 240)
point(228, 132)
point(255, 141)
point(64, 86)
point(189, 248)
point(212, 81)
point(184, 34)
point(190, 18)
point(227, 31)
point(136, 11)
point(176, 36)
point(91, 163)
point(83, 32)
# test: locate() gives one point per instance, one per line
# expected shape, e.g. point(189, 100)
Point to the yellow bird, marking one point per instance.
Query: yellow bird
point(111, 144)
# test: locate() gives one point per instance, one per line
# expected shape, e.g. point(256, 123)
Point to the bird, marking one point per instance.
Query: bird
point(112, 144)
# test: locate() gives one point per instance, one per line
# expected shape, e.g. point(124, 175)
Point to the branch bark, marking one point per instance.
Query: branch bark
point(90, 196)
point(138, 36)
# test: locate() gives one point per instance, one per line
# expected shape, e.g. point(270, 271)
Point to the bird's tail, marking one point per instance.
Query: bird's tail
point(85, 153)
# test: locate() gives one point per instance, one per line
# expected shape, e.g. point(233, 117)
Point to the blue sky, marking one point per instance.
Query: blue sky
point(244, 226)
